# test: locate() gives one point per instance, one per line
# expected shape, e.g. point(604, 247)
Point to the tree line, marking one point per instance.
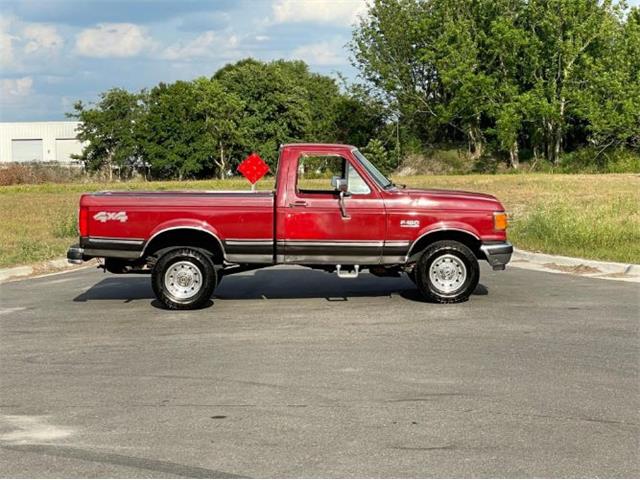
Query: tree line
point(205, 127)
point(506, 76)
point(548, 81)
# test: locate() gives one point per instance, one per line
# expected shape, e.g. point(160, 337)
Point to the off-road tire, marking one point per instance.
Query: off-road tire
point(200, 276)
point(465, 272)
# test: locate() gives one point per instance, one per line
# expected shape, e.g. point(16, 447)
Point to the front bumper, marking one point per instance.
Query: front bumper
point(75, 254)
point(497, 254)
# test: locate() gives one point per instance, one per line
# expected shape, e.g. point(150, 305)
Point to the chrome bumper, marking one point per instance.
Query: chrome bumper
point(497, 254)
point(75, 254)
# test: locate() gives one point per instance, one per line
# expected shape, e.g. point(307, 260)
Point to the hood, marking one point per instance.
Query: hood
point(450, 199)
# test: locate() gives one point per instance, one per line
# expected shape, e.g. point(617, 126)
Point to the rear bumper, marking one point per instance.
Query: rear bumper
point(75, 254)
point(106, 247)
point(497, 254)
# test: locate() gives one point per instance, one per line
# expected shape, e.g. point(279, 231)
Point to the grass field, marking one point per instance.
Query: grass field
point(592, 216)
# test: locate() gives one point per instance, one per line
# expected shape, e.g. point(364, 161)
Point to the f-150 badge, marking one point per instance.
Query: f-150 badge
point(410, 223)
point(104, 217)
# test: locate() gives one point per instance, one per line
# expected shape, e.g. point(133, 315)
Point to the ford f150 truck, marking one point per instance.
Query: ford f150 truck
point(331, 209)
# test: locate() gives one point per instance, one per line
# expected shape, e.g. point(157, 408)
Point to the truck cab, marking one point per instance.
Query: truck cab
point(331, 209)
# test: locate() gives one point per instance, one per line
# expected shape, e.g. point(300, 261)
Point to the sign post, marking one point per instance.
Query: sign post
point(253, 168)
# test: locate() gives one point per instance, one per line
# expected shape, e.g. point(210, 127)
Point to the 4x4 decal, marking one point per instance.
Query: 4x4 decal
point(104, 217)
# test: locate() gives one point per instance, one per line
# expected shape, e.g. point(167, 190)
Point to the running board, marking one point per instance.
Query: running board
point(349, 273)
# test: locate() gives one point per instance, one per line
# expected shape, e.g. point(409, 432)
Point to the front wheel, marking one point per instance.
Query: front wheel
point(447, 272)
point(183, 279)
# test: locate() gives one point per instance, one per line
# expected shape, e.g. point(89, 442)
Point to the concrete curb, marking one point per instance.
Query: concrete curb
point(626, 272)
point(8, 273)
point(57, 265)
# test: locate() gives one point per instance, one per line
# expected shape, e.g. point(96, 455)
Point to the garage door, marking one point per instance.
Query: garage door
point(26, 150)
point(65, 147)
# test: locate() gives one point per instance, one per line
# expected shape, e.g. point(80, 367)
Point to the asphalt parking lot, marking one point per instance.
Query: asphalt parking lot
point(298, 373)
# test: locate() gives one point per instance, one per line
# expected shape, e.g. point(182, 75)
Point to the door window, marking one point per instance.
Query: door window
point(316, 174)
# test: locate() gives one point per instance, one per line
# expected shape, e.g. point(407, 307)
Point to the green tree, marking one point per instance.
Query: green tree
point(377, 154)
point(221, 113)
point(110, 131)
point(567, 36)
point(175, 137)
point(610, 103)
point(546, 74)
point(276, 107)
point(359, 116)
point(389, 46)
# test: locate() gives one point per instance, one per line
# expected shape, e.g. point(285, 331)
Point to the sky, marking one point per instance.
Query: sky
point(55, 52)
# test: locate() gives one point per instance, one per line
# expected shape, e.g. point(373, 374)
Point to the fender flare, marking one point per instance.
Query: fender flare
point(443, 227)
point(184, 224)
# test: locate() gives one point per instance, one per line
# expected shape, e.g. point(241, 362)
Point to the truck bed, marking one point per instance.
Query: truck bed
point(242, 221)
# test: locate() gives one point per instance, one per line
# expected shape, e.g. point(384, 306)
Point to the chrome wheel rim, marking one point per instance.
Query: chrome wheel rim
point(183, 280)
point(447, 273)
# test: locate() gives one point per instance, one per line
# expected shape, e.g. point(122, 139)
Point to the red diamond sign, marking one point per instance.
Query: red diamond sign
point(253, 168)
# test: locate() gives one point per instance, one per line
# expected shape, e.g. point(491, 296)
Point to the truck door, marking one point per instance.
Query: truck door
point(314, 229)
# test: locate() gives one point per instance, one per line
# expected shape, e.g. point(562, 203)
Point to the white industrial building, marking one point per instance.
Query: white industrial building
point(52, 142)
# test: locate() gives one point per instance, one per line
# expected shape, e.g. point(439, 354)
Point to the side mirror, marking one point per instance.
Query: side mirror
point(342, 186)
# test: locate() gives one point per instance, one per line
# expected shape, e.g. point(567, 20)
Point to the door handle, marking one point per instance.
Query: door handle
point(298, 203)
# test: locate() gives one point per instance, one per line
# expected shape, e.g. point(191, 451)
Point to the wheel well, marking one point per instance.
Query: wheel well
point(459, 236)
point(186, 237)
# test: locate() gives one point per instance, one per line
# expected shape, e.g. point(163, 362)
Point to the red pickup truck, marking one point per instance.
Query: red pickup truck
point(331, 209)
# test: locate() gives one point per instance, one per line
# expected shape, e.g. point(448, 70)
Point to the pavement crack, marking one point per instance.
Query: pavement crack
point(439, 447)
point(429, 397)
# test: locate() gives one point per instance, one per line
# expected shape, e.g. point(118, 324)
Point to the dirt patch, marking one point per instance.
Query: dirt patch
point(47, 267)
point(578, 269)
point(619, 275)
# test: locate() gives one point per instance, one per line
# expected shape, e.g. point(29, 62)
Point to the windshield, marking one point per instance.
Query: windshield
point(374, 173)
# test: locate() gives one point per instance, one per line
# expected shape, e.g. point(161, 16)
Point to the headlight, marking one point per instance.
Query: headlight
point(500, 221)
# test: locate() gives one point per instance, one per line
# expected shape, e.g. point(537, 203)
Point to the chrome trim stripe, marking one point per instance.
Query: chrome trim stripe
point(122, 241)
point(398, 243)
point(322, 243)
point(329, 259)
point(248, 242)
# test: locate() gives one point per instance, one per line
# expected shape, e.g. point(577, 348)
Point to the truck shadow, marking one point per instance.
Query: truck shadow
point(270, 283)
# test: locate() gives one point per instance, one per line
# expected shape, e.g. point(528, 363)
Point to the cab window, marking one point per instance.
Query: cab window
point(317, 174)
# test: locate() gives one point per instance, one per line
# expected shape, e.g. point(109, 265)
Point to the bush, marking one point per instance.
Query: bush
point(32, 173)
point(435, 162)
point(592, 160)
point(66, 227)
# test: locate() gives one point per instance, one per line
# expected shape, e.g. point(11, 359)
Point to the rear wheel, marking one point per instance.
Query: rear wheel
point(447, 272)
point(412, 275)
point(184, 279)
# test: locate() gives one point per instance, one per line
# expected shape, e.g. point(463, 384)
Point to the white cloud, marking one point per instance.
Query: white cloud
point(113, 40)
point(208, 44)
point(7, 57)
point(322, 53)
point(13, 88)
point(20, 41)
point(343, 12)
point(41, 38)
